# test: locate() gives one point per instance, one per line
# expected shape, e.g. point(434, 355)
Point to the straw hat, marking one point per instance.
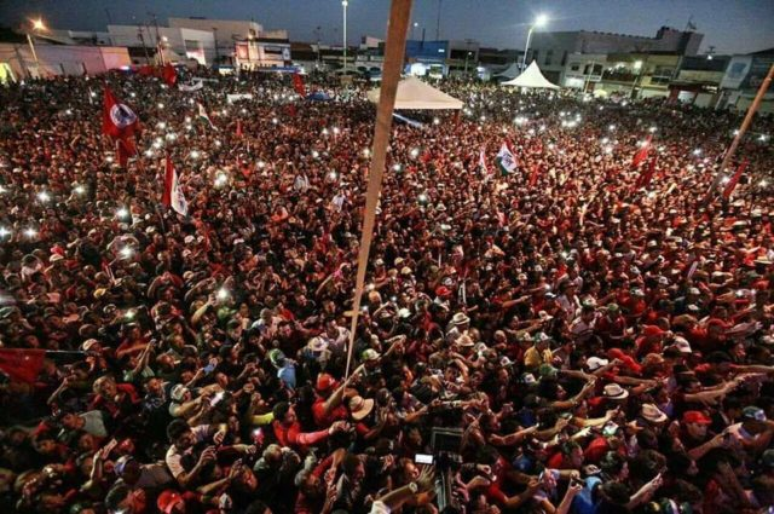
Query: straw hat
point(359, 407)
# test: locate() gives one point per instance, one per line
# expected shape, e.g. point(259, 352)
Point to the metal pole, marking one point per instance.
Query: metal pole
point(394, 54)
point(215, 32)
point(438, 22)
point(34, 54)
point(345, 3)
point(526, 48)
point(745, 125)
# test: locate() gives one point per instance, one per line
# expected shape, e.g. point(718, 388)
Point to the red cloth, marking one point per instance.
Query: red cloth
point(169, 75)
point(298, 84)
point(118, 120)
point(21, 365)
point(642, 154)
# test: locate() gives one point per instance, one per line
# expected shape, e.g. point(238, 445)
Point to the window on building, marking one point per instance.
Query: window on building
point(575, 67)
point(549, 57)
point(535, 54)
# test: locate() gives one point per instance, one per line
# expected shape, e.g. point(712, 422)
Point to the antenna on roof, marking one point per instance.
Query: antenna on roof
point(690, 26)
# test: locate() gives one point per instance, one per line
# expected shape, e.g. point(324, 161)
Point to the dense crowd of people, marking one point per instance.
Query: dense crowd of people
point(602, 343)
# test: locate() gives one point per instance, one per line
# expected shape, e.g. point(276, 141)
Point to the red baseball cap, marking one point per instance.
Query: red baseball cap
point(325, 382)
point(652, 331)
point(696, 417)
point(168, 500)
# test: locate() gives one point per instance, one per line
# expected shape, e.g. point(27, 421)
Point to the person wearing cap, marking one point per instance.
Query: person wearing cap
point(755, 432)
point(171, 502)
point(539, 353)
point(459, 326)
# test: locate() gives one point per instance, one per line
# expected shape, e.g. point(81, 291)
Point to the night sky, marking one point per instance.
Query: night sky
point(730, 26)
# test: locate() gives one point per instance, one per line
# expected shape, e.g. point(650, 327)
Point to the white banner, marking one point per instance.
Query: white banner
point(238, 96)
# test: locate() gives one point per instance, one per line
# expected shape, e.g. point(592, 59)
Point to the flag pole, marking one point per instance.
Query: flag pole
point(740, 134)
point(400, 11)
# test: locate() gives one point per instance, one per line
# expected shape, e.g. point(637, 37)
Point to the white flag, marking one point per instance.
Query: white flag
point(505, 160)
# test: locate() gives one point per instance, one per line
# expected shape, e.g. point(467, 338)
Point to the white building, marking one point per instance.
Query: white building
point(178, 45)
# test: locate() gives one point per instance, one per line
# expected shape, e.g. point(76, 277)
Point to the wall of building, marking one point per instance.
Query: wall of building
point(63, 60)
point(228, 31)
point(186, 43)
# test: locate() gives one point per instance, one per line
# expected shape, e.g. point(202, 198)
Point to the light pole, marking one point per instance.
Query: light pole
point(638, 67)
point(344, 4)
point(37, 25)
point(215, 35)
point(414, 31)
point(540, 21)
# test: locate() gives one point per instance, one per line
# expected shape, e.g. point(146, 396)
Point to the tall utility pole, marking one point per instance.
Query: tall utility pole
point(159, 47)
point(344, 4)
point(317, 32)
point(142, 40)
point(438, 22)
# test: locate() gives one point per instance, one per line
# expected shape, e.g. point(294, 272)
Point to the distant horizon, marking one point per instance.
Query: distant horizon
point(729, 27)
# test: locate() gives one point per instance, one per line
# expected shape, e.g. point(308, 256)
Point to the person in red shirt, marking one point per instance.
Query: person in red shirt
point(287, 429)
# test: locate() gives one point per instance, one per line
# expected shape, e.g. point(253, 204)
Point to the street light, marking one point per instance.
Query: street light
point(414, 31)
point(540, 21)
point(344, 4)
point(37, 26)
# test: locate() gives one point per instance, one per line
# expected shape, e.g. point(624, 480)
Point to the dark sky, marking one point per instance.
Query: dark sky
point(732, 26)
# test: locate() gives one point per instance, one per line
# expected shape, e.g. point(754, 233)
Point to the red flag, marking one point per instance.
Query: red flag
point(169, 75)
point(239, 128)
point(118, 120)
point(173, 195)
point(647, 175)
point(125, 148)
point(642, 154)
point(298, 84)
point(731, 185)
point(145, 70)
point(21, 365)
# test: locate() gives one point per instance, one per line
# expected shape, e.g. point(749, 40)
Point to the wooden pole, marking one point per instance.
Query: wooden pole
point(745, 125)
point(400, 12)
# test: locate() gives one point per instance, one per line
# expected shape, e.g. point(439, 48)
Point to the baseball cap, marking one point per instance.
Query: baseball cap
point(594, 363)
point(696, 417)
point(325, 382)
point(753, 413)
point(168, 500)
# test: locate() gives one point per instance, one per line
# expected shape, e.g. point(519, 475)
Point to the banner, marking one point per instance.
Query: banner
point(190, 88)
point(238, 96)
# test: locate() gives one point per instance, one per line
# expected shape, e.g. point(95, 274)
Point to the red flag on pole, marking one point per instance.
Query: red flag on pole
point(173, 194)
point(642, 154)
point(298, 84)
point(647, 175)
point(731, 185)
point(21, 365)
point(239, 128)
point(118, 120)
point(169, 75)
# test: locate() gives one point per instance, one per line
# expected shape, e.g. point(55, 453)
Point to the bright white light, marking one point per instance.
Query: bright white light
point(611, 128)
point(763, 137)
point(396, 167)
point(325, 132)
point(93, 94)
point(188, 119)
point(367, 152)
point(541, 20)
point(608, 149)
point(160, 105)
point(133, 94)
point(30, 232)
point(422, 198)
point(126, 252)
point(332, 175)
point(605, 140)
point(697, 151)
point(195, 154)
point(4, 232)
point(336, 130)
point(725, 180)
point(436, 121)
point(315, 154)
point(162, 125)
point(3, 189)
point(171, 136)
point(275, 121)
point(652, 129)
point(261, 164)
point(223, 293)
point(189, 127)
point(218, 143)
point(224, 112)
point(129, 314)
point(69, 112)
point(122, 213)
point(80, 190)
point(221, 180)
point(637, 65)
point(763, 183)
point(44, 197)
point(414, 153)
point(109, 158)
point(149, 153)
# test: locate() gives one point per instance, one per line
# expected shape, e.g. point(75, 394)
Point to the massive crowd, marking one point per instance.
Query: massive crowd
point(604, 345)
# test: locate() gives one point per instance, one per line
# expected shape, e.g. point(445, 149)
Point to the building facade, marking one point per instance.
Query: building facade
point(741, 81)
point(17, 61)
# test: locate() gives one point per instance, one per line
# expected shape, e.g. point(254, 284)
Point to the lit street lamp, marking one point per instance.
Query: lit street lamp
point(344, 4)
point(540, 21)
point(37, 26)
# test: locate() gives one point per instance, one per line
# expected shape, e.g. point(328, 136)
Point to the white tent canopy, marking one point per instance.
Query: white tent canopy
point(532, 77)
point(415, 94)
point(510, 72)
